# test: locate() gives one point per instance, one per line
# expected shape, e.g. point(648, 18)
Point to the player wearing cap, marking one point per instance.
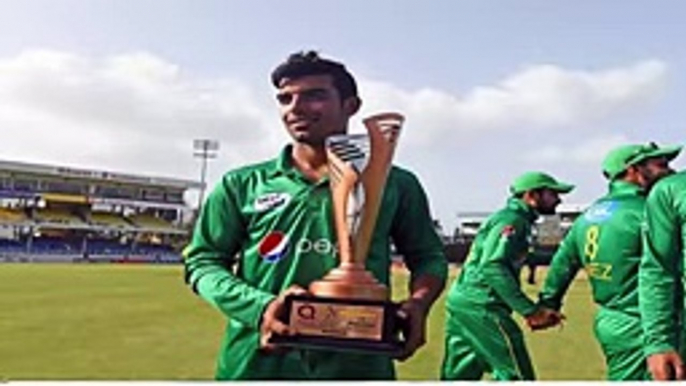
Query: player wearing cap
point(605, 241)
point(481, 335)
point(662, 278)
point(268, 227)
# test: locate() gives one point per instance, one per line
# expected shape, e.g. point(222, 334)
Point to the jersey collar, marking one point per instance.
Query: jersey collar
point(283, 166)
point(519, 206)
point(621, 188)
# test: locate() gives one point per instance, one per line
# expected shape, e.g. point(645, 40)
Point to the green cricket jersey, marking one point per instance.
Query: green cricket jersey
point(490, 275)
point(605, 241)
point(661, 274)
point(266, 227)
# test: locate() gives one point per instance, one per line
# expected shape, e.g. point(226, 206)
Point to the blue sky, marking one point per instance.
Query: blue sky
point(490, 88)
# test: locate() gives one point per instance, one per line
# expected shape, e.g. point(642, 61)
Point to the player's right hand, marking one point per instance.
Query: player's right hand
point(272, 319)
point(544, 318)
point(666, 366)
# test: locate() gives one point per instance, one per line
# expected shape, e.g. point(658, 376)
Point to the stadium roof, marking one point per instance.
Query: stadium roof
point(95, 175)
point(564, 208)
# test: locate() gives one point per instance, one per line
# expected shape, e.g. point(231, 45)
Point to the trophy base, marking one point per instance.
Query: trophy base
point(349, 325)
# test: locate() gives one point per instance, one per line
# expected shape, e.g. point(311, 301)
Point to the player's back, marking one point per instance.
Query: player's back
point(608, 241)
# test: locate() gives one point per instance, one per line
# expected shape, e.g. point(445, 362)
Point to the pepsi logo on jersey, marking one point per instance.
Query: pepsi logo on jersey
point(274, 246)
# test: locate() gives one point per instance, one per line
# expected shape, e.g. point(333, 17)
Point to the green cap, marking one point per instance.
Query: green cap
point(537, 180)
point(620, 158)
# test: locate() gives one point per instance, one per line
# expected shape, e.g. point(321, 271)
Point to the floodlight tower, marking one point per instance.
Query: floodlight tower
point(204, 149)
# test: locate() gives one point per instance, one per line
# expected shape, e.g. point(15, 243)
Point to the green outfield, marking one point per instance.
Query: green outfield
point(124, 322)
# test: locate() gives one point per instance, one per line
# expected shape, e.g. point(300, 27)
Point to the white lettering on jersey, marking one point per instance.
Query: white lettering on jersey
point(320, 246)
point(270, 201)
point(600, 212)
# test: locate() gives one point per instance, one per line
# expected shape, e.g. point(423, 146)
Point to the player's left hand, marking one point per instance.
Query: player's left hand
point(414, 313)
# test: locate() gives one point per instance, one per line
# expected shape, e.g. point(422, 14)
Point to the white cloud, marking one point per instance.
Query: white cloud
point(539, 97)
point(590, 152)
point(135, 112)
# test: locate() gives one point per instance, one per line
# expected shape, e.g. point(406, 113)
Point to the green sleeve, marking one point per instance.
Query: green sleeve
point(563, 268)
point(211, 255)
point(413, 232)
point(501, 251)
point(659, 275)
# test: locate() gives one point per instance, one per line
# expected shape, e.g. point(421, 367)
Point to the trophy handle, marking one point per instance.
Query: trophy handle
point(383, 130)
point(362, 179)
point(343, 180)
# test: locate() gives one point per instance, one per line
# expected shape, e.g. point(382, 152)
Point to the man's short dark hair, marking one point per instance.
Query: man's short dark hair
point(309, 63)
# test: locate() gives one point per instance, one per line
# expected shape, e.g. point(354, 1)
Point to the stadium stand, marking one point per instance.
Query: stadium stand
point(54, 213)
point(58, 217)
point(12, 216)
point(109, 221)
point(146, 221)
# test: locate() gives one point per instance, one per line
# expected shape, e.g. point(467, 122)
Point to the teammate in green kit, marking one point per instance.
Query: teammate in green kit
point(605, 241)
point(481, 335)
point(662, 278)
point(266, 230)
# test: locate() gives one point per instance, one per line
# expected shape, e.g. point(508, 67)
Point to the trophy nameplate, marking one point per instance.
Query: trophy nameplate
point(348, 309)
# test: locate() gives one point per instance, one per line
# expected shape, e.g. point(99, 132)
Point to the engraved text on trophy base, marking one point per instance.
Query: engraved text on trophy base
point(337, 320)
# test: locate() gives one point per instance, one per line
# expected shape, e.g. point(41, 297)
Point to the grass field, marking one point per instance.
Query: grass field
point(126, 322)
